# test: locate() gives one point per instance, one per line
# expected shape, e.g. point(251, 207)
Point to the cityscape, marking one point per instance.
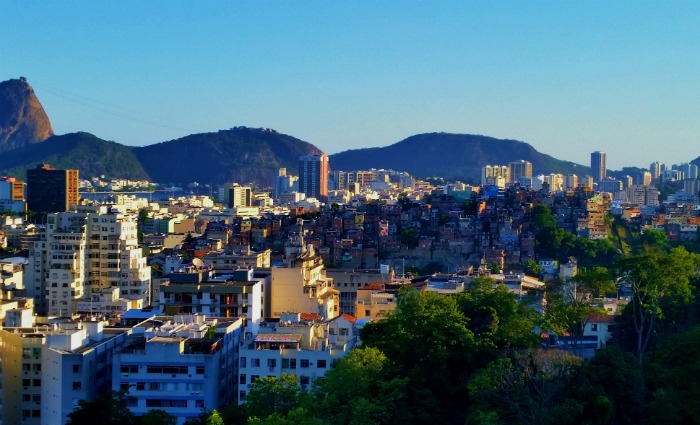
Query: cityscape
point(265, 213)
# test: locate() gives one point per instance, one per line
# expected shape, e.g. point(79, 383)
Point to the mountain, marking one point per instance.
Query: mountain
point(89, 154)
point(240, 154)
point(454, 156)
point(23, 120)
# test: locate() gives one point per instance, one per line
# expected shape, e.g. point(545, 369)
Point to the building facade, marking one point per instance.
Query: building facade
point(313, 176)
point(50, 190)
point(598, 166)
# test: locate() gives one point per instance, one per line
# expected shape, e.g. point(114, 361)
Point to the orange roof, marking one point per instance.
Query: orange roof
point(310, 316)
point(375, 286)
point(348, 317)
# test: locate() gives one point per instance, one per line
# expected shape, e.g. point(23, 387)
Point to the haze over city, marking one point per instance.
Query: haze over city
point(566, 77)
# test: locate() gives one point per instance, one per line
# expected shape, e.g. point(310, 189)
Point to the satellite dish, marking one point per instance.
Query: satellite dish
point(197, 262)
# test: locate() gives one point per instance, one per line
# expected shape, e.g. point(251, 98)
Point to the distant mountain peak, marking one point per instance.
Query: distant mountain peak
point(23, 120)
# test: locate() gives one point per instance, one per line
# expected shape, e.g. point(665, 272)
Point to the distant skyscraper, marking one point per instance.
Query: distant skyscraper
point(519, 170)
point(51, 190)
point(313, 176)
point(598, 168)
point(655, 170)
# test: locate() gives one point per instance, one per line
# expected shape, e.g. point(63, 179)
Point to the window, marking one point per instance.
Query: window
point(36, 413)
point(26, 397)
point(76, 368)
point(304, 380)
point(241, 395)
point(321, 364)
point(140, 386)
point(271, 362)
point(36, 382)
point(254, 378)
point(255, 362)
point(242, 378)
point(26, 367)
point(242, 362)
point(154, 386)
point(304, 363)
point(122, 369)
point(36, 367)
point(594, 327)
point(199, 404)
point(200, 370)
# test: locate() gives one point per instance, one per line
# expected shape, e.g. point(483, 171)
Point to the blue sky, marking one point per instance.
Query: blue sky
point(567, 77)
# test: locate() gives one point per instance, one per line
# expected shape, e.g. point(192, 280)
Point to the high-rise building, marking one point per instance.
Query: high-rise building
point(284, 183)
point(51, 190)
point(240, 196)
point(598, 167)
point(644, 178)
point(490, 171)
point(85, 253)
point(519, 170)
point(313, 176)
point(655, 170)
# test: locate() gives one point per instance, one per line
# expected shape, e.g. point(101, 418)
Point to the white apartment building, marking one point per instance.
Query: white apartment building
point(45, 370)
point(93, 247)
point(298, 344)
point(182, 364)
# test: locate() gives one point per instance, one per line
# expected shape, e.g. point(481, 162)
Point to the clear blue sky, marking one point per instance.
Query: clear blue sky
point(567, 77)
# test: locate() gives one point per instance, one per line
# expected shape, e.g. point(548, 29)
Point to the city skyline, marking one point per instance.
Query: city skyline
point(566, 78)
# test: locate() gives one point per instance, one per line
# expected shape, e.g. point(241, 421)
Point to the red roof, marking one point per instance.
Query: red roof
point(376, 286)
point(310, 316)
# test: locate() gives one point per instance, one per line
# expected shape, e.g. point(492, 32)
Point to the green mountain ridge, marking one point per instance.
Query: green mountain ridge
point(89, 154)
point(456, 156)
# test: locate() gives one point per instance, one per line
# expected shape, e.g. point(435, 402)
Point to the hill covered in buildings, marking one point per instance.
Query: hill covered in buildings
point(452, 156)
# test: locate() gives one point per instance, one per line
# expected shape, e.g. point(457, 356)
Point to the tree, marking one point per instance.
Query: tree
point(653, 277)
point(409, 237)
point(111, 409)
point(157, 417)
point(527, 387)
point(428, 342)
point(270, 395)
point(494, 267)
point(214, 418)
point(533, 268)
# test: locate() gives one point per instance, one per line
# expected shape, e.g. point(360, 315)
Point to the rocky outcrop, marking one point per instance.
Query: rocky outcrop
point(22, 118)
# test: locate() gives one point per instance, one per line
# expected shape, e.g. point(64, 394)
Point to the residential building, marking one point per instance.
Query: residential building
point(46, 369)
point(313, 176)
point(300, 284)
point(235, 294)
point(182, 364)
point(348, 281)
point(91, 248)
point(299, 344)
point(50, 190)
point(240, 196)
point(374, 302)
point(520, 170)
